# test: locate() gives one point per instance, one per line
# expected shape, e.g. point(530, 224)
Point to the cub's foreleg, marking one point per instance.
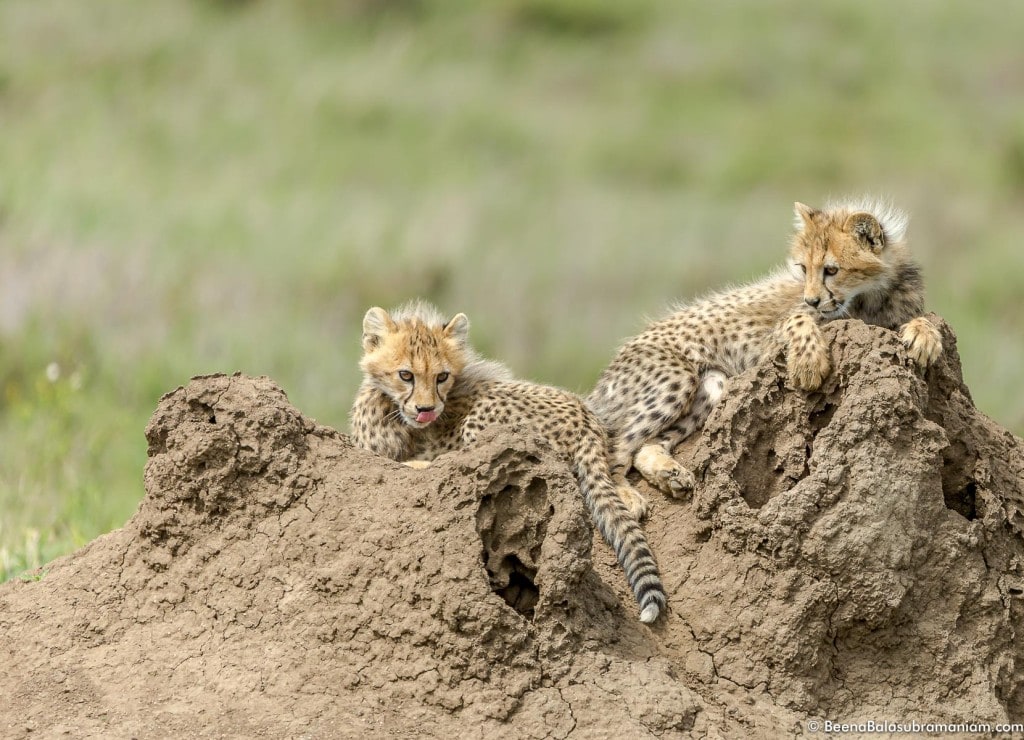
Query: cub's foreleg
point(923, 341)
point(807, 357)
point(376, 427)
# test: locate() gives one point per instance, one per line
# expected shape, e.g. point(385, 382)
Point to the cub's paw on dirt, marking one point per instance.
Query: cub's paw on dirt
point(807, 369)
point(660, 470)
point(635, 501)
point(922, 340)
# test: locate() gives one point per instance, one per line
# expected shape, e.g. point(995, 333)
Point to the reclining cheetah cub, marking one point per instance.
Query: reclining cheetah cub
point(426, 392)
point(848, 260)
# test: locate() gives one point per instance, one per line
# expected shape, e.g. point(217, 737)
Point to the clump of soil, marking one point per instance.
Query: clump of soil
point(850, 554)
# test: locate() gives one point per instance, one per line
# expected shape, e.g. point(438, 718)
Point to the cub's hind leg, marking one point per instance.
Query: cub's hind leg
point(665, 392)
point(655, 462)
point(636, 502)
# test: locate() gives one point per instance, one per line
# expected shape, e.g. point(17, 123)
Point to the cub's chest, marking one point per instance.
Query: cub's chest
point(440, 437)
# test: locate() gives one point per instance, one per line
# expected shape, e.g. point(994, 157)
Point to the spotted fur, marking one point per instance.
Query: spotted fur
point(426, 392)
point(848, 260)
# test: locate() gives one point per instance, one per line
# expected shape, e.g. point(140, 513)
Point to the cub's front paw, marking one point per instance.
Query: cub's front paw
point(660, 470)
point(922, 340)
point(634, 501)
point(808, 368)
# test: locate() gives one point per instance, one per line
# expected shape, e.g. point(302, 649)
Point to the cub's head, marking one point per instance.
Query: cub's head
point(845, 250)
point(413, 357)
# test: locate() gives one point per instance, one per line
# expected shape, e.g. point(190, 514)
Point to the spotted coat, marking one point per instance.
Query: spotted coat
point(849, 260)
point(426, 392)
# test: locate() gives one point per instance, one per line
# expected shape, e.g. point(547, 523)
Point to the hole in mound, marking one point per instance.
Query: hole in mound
point(512, 523)
point(820, 419)
point(204, 411)
point(959, 489)
point(521, 593)
point(963, 502)
point(537, 488)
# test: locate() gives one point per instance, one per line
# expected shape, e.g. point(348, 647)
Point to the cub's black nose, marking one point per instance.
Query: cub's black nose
point(812, 302)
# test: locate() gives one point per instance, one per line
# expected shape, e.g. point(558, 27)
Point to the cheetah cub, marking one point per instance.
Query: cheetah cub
point(848, 260)
point(425, 391)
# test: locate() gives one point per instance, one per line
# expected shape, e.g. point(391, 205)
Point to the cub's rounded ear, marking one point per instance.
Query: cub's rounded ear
point(868, 231)
point(804, 216)
point(457, 329)
point(377, 324)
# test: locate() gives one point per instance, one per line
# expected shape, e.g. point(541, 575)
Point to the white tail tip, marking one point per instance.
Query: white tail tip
point(650, 613)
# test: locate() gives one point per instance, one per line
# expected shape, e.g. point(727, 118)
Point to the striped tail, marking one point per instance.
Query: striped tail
point(620, 530)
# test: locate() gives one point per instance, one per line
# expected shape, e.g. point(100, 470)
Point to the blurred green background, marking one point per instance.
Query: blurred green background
point(189, 187)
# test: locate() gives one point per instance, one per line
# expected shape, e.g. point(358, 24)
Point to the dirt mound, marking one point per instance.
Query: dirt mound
point(850, 554)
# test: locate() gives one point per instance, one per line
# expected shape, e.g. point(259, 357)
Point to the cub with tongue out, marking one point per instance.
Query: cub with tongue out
point(425, 391)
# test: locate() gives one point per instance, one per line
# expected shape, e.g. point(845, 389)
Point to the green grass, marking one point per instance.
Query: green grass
point(190, 187)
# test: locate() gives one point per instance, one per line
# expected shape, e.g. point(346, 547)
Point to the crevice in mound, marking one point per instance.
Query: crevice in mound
point(963, 502)
point(959, 489)
point(521, 593)
point(512, 523)
point(821, 418)
point(204, 411)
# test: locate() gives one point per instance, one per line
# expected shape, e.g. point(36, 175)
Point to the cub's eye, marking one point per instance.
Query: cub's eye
point(831, 270)
point(441, 377)
point(405, 375)
point(803, 269)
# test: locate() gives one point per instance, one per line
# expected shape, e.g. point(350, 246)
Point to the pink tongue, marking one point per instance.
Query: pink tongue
point(425, 417)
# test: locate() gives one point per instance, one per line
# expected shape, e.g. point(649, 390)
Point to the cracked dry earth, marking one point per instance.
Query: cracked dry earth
point(849, 554)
